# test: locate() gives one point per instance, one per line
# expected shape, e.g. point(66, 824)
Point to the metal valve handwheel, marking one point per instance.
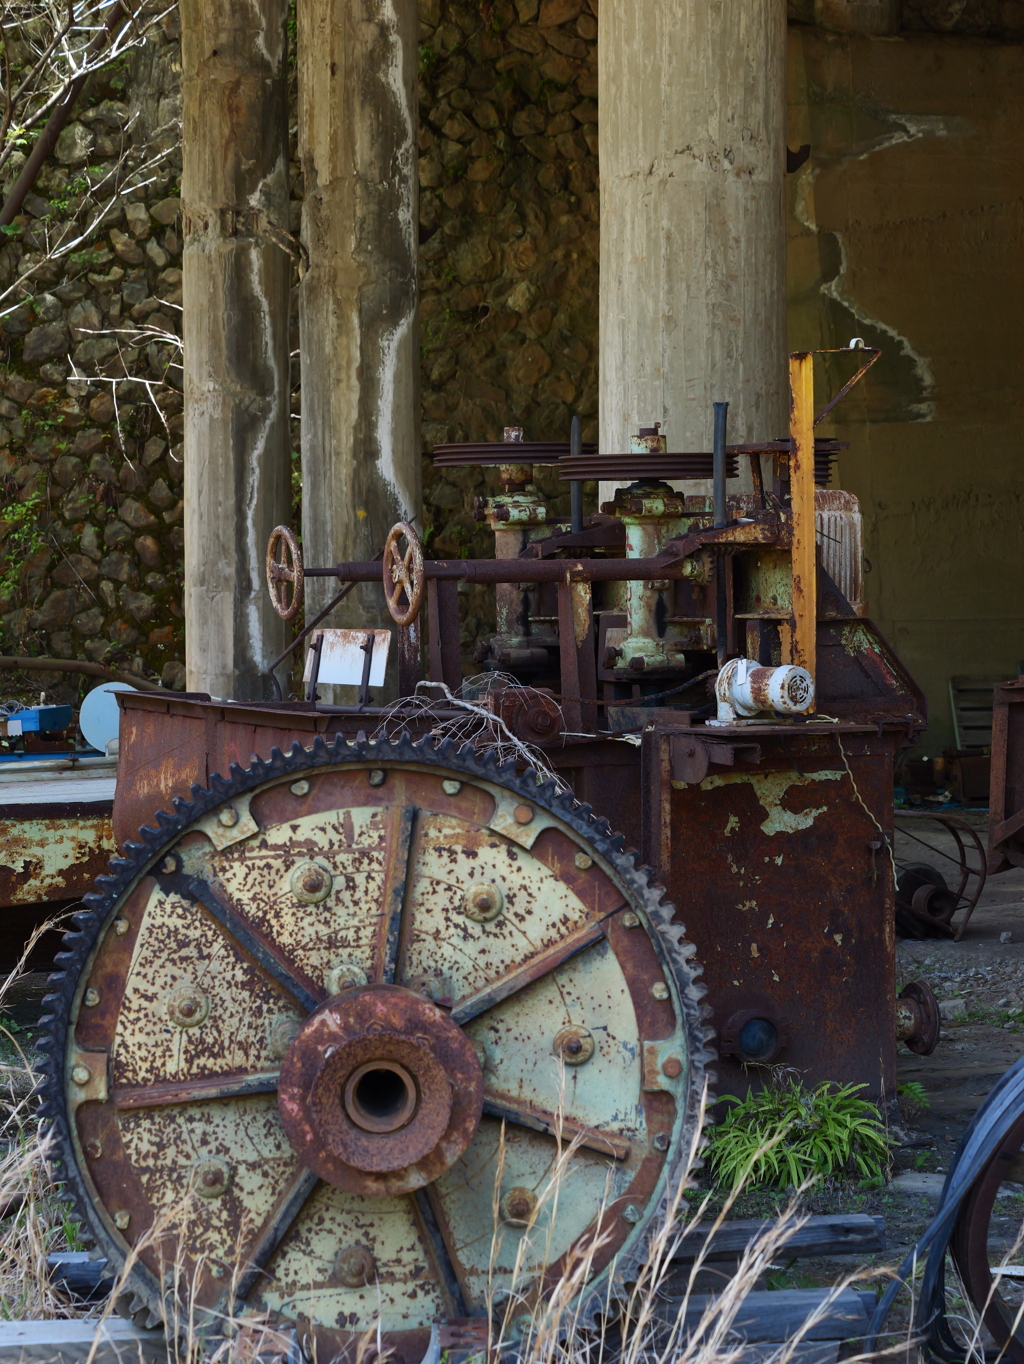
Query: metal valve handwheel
point(404, 576)
point(284, 572)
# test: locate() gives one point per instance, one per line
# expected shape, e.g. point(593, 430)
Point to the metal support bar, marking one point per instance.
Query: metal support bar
point(576, 485)
point(801, 491)
point(443, 633)
point(577, 657)
point(314, 671)
point(408, 657)
point(367, 648)
point(718, 467)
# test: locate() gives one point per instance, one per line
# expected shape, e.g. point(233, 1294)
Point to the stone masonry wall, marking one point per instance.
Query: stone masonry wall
point(91, 529)
point(90, 506)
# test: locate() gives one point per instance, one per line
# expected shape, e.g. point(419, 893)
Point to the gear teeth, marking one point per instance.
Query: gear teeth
point(643, 892)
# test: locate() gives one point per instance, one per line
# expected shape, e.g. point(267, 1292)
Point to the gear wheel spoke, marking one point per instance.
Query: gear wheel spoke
point(335, 995)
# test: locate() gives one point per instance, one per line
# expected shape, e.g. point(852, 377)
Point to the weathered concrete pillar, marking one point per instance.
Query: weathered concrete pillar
point(357, 300)
point(236, 289)
point(693, 228)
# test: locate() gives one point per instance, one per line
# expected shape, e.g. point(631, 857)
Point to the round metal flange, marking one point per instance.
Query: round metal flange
point(322, 1148)
point(380, 1092)
point(922, 1036)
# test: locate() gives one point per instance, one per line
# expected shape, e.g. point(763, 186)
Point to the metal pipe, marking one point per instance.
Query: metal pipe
point(721, 420)
point(576, 485)
point(519, 570)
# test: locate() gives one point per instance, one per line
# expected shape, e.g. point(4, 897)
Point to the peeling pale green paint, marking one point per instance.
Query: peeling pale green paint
point(731, 823)
point(770, 787)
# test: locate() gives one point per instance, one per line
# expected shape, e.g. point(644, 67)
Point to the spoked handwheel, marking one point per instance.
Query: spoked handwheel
point(990, 1258)
point(404, 575)
point(285, 577)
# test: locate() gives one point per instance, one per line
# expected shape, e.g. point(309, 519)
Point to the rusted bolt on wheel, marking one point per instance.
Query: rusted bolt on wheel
point(574, 1044)
point(517, 1207)
point(355, 1267)
point(212, 1177)
point(483, 903)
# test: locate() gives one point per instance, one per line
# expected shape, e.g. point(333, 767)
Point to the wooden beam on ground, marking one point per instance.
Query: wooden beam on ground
point(853, 1234)
point(70, 1342)
point(840, 1314)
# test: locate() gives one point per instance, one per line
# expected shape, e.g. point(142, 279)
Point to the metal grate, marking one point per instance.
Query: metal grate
point(970, 700)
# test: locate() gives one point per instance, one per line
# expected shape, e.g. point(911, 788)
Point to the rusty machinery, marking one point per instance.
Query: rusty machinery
point(312, 999)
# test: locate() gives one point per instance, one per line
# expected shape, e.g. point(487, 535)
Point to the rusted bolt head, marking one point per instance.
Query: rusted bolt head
point(310, 882)
point(522, 814)
point(228, 817)
point(541, 720)
point(211, 1177)
point(659, 990)
point(300, 787)
point(631, 1212)
point(121, 927)
point(517, 1207)
point(81, 1075)
point(574, 1044)
point(451, 787)
point(94, 1148)
point(660, 1142)
point(169, 865)
point(376, 776)
point(346, 975)
point(188, 1006)
point(583, 861)
point(483, 903)
point(355, 1267)
point(92, 997)
point(672, 1067)
point(430, 987)
point(121, 1219)
point(282, 1033)
point(630, 920)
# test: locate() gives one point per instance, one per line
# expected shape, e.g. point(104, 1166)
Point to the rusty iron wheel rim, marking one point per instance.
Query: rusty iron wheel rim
point(969, 1248)
point(95, 1127)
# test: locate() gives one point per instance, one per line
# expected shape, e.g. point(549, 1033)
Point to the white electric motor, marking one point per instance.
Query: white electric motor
point(744, 690)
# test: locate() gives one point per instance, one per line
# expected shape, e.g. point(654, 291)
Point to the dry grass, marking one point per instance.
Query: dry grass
point(647, 1325)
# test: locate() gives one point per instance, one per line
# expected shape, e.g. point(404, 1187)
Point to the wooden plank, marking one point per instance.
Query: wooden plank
point(801, 491)
point(853, 1234)
point(70, 1342)
point(772, 1316)
point(803, 1352)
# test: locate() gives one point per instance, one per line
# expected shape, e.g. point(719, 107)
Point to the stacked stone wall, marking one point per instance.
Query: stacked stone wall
point(91, 408)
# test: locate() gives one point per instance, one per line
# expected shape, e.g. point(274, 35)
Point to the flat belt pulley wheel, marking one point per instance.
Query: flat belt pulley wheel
point(334, 1011)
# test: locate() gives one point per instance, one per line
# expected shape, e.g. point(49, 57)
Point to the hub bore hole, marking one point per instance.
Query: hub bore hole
point(380, 1096)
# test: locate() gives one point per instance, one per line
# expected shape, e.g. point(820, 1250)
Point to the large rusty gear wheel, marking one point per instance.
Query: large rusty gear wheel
point(385, 956)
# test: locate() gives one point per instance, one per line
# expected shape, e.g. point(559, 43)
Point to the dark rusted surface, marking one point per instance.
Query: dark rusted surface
point(380, 1093)
point(53, 852)
point(1006, 791)
point(773, 872)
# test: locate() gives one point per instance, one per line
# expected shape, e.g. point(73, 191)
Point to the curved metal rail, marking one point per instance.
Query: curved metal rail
point(966, 839)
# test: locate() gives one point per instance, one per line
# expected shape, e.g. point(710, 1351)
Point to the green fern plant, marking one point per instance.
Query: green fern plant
point(786, 1134)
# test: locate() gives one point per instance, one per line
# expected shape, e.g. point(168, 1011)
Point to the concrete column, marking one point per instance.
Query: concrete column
point(236, 289)
point(693, 229)
point(358, 297)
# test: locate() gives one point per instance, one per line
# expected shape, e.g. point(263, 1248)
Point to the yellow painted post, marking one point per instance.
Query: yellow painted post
point(801, 491)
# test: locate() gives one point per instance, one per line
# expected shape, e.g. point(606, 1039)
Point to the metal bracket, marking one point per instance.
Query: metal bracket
point(221, 830)
point(665, 1066)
